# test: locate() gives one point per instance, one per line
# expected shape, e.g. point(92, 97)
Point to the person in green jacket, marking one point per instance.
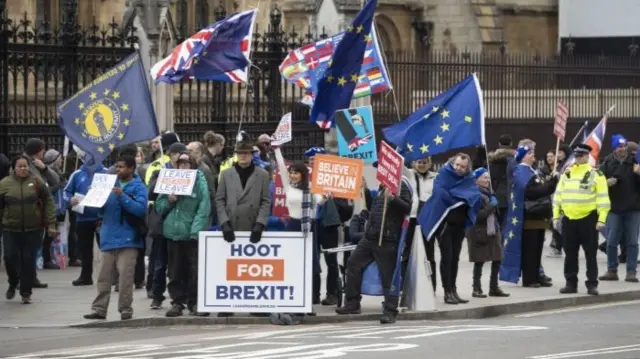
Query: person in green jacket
point(26, 208)
point(185, 217)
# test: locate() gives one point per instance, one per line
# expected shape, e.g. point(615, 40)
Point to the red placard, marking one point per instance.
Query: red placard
point(560, 124)
point(279, 197)
point(390, 164)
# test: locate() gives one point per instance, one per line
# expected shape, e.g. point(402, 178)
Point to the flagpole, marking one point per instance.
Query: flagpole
point(578, 134)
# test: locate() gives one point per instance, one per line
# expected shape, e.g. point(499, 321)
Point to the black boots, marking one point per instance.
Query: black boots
point(449, 298)
point(460, 300)
point(477, 292)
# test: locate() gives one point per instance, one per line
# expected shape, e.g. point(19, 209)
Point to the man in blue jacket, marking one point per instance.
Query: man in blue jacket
point(86, 219)
point(123, 218)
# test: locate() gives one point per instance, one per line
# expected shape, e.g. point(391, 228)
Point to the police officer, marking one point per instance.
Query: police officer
point(582, 196)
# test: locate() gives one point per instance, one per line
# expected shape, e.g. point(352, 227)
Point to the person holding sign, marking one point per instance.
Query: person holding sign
point(26, 208)
point(384, 253)
point(123, 218)
point(187, 215)
point(243, 199)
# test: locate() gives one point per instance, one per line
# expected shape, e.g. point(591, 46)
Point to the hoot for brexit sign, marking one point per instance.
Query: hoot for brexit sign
point(273, 275)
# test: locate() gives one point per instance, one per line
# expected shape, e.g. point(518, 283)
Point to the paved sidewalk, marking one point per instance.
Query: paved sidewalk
point(62, 304)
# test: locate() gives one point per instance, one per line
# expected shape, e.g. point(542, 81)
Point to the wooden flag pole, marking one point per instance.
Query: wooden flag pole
point(555, 161)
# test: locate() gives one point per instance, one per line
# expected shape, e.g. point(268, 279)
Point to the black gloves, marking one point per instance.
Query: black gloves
point(227, 232)
point(256, 233)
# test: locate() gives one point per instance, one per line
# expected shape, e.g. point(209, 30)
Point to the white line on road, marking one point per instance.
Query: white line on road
point(585, 353)
point(577, 309)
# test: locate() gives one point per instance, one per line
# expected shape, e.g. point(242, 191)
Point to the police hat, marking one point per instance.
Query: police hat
point(582, 149)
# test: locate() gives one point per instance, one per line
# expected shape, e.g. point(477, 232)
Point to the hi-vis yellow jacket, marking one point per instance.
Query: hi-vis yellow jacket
point(155, 166)
point(582, 190)
point(227, 164)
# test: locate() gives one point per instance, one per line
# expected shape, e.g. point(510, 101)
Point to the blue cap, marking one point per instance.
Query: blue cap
point(479, 172)
point(521, 152)
point(312, 151)
point(618, 141)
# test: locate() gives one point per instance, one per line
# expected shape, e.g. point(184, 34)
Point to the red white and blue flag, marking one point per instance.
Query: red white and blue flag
point(219, 52)
point(595, 141)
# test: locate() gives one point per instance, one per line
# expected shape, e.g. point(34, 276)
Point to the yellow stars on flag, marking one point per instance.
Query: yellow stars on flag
point(511, 196)
point(355, 77)
point(349, 28)
point(124, 107)
point(359, 29)
point(438, 140)
point(514, 221)
point(342, 81)
point(115, 95)
point(93, 96)
point(424, 148)
point(77, 121)
point(126, 122)
point(367, 38)
point(100, 149)
point(112, 146)
point(81, 106)
point(514, 207)
point(106, 92)
point(444, 113)
point(409, 147)
point(511, 234)
point(120, 136)
point(330, 78)
point(444, 127)
point(435, 109)
point(467, 119)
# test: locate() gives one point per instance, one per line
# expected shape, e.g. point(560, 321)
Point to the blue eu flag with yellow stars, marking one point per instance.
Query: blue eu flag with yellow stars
point(335, 88)
point(512, 232)
point(114, 110)
point(454, 119)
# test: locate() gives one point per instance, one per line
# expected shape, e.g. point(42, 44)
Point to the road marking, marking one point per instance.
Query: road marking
point(584, 353)
point(577, 309)
point(470, 329)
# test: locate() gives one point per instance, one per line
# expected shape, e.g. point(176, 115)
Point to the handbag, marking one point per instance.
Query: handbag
point(539, 208)
point(156, 222)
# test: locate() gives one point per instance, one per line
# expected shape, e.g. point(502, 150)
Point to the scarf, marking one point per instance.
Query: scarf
point(492, 222)
point(305, 221)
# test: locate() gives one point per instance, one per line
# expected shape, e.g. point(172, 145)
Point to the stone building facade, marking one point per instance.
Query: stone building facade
point(451, 26)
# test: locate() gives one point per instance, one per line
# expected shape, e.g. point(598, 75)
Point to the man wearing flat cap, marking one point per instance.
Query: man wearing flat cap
point(582, 196)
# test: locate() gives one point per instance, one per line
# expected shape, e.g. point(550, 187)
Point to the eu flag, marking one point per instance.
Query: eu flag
point(335, 88)
point(114, 110)
point(453, 119)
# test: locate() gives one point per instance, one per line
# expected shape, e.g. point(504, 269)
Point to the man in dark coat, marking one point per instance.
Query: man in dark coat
point(385, 255)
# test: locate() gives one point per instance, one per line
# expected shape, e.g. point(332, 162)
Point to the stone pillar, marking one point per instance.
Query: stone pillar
point(162, 93)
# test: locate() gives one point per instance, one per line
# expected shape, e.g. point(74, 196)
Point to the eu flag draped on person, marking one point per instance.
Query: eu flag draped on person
point(454, 119)
point(450, 190)
point(219, 52)
point(335, 88)
point(510, 268)
point(114, 110)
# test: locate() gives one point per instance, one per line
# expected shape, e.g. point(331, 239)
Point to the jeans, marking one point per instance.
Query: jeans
point(19, 256)
point(623, 227)
point(160, 263)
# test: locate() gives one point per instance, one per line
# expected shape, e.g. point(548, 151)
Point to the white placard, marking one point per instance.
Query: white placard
point(272, 276)
point(176, 182)
point(79, 208)
point(283, 131)
point(100, 189)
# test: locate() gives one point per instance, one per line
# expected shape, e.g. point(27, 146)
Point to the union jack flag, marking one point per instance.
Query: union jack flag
point(357, 142)
point(219, 52)
point(594, 140)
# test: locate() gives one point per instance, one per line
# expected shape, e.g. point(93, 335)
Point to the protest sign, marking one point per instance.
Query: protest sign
point(390, 164)
point(101, 188)
point(340, 176)
point(283, 131)
point(279, 197)
point(356, 137)
point(176, 182)
point(274, 275)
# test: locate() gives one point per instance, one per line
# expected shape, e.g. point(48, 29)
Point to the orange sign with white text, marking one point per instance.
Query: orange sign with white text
point(337, 175)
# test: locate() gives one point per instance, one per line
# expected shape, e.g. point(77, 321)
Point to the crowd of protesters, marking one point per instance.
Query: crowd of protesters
point(234, 192)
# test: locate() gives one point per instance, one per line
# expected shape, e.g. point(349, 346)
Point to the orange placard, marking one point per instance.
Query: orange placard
point(338, 175)
point(254, 269)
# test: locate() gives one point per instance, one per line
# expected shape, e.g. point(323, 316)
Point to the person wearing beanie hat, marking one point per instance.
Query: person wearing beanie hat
point(167, 140)
point(484, 238)
point(526, 229)
point(51, 156)
point(623, 222)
